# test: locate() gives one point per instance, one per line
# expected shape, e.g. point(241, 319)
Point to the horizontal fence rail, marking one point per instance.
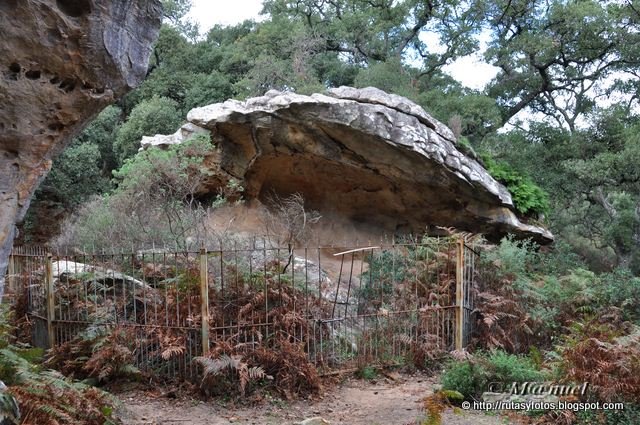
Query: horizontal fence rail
point(344, 306)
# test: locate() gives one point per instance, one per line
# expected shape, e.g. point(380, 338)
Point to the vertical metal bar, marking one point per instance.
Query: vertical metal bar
point(250, 283)
point(85, 289)
point(416, 307)
point(50, 300)
point(95, 285)
point(306, 284)
point(113, 279)
point(266, 290)
point(155, 298)
point(222, 295)
point(204, 301)
point(472, 298)
point(460, 294)
point(239, 292)
point(304, 328)
point(144, 287)
point(60, 303)
point(11, 275)
point(177, 288)
point(346, 305)
point(134, 288)
point(335, 301)
point(292, 257)
point(279, 274)
point(166, 292)
point(394, 252)
point(320, 279)
point(466, 297)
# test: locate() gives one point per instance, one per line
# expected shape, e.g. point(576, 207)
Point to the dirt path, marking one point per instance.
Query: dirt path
point(392, 400)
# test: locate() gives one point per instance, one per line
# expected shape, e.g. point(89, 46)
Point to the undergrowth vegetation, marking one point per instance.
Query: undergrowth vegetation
point(528, 198)
point(539, 316)
point(543, 317)
point(105, 356)
point(283, 368)
point(158, 201)
point(267, 352)
point(46, 396)
point(472, 377)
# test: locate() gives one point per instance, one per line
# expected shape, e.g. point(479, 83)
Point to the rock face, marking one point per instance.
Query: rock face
point(360, 154)
point(61, 62)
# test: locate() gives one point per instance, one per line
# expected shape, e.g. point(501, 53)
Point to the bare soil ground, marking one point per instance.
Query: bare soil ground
point(394, 399)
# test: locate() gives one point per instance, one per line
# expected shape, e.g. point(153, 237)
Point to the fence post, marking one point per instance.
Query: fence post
point(50, 306)
point(460, 294)
point(204, 300)
point(11, 275)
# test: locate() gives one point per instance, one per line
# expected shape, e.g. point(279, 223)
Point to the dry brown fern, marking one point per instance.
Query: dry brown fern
point(423, 349)
point(229, 367)
point(611, 364)
point(111, 358)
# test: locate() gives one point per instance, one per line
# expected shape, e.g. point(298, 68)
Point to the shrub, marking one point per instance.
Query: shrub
point(157, 202)
point(629, 416)
point(513, 257)
point(528, 197)
point(236, 370)
point(367, 372)
point(508, 368)
point(560, 259)
point(468, 377)
point(173, 172)
point(522, 302)
point(509, 309)
point(77, 174)
point(386, 269)
point(622, 290)
point(158, 115)
point(472, 377)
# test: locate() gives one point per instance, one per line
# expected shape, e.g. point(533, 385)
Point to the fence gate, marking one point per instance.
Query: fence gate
point(25, 290)
point(343, 306)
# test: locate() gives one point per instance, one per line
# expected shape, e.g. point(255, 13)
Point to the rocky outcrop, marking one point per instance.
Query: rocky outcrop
point(360, 154)
point(61, 62)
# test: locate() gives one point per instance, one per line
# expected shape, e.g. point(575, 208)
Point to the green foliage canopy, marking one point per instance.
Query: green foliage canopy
point(158, 115)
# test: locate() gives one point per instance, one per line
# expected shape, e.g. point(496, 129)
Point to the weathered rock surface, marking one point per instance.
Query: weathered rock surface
point(357, 153)
point(61, 62)
point(185, 132)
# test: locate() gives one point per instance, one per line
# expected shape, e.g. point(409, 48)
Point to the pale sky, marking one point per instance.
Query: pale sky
point(210, 12)
point(470, 70)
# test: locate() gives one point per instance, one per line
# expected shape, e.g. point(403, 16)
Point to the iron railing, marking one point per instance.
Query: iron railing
point(345, 306)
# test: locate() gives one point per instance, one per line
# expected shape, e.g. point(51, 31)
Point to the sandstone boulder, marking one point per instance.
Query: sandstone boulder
point(61, 63)
point(359, 154)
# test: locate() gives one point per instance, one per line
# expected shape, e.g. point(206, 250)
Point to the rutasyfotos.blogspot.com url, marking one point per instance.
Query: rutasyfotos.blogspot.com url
point(530, 406)
point(538, 396)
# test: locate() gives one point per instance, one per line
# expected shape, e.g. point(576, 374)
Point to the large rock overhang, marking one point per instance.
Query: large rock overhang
point(360, 154)
point(61, 63)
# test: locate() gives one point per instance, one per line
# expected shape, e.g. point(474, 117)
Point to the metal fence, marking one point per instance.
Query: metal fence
point(344, 306)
